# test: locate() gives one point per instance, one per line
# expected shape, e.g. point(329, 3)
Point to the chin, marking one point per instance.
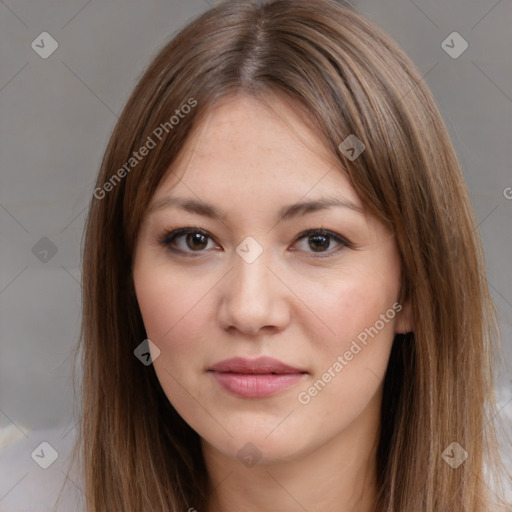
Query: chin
point(256, 442)
point(250, 451)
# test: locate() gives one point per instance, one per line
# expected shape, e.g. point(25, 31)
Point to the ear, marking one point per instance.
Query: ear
point(404, 323)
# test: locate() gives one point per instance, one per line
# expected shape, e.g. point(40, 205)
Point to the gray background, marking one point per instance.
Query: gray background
point(56, 118)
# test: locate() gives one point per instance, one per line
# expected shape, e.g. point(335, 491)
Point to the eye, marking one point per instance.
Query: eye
point(319, 240)
point(192, 240)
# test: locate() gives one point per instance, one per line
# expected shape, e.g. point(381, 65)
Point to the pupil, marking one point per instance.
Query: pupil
point(320, 238)
point(196, 238)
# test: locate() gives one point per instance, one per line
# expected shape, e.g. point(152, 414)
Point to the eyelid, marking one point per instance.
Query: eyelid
point(322, 231)
point(170, 234)
point(341, 240)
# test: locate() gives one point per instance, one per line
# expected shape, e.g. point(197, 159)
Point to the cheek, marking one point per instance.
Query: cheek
point(350, 365)
point(174, 309)
point(360, 308)
point(176, 316)
point(363, 307)
point(351, 304)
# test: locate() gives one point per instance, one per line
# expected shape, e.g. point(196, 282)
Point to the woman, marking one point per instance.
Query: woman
point(285, 305)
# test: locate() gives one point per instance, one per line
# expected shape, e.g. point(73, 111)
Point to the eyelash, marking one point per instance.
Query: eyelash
point(170, 236)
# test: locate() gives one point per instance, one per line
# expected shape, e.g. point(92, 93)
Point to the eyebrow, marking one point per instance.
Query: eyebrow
point(285, 213)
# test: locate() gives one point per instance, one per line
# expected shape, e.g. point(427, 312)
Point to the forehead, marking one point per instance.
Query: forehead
point(242, 147)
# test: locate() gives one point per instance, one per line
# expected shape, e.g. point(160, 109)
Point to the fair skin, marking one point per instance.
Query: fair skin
point(303, 301)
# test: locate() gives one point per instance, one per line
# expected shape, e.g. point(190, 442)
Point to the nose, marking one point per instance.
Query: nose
point(253, 298)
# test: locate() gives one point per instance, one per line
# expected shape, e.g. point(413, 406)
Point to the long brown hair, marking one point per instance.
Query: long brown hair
point(351, 78)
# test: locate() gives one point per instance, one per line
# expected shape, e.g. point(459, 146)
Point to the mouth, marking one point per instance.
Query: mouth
point(255, 378)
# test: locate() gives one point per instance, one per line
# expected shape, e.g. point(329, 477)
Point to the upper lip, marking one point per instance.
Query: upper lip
point(261, 365)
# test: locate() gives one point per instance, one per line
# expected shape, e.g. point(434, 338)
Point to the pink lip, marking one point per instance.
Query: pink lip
point(255, 378)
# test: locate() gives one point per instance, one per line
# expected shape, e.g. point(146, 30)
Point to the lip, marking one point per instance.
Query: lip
point(255, 378)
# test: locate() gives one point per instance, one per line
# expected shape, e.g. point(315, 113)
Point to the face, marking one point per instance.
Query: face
point(274, 321)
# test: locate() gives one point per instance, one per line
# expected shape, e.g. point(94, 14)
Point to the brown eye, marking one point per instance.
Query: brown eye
point(320, 241)
point(186, 240)
point(196, 241)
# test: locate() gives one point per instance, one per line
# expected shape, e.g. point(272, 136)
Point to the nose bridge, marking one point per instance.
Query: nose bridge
point(251, 274)
point(253, 297)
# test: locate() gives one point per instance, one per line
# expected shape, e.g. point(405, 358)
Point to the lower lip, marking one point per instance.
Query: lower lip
point(256, 385)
